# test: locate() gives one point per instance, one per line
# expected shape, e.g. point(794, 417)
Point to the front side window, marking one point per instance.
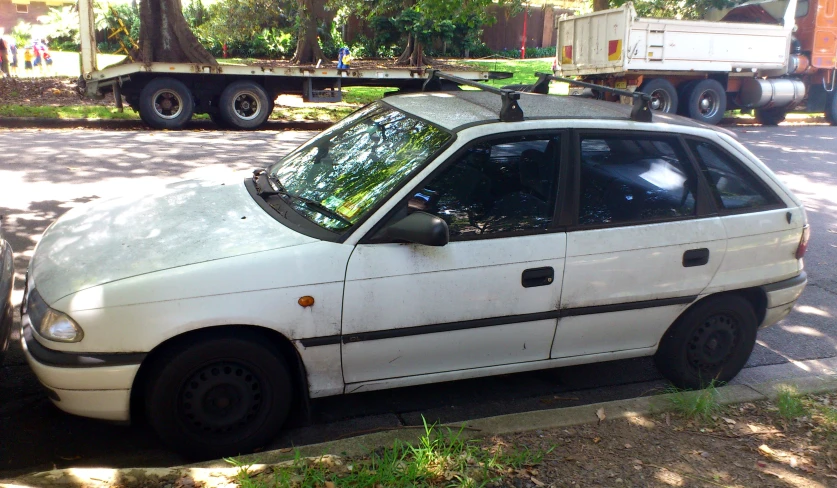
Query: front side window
point(340, 175)
point(733, 187)
point(634, 179)
point(496, 187)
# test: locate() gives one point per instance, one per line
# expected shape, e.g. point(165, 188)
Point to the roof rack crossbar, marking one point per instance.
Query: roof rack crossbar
point(510, 110)
point(641, 111)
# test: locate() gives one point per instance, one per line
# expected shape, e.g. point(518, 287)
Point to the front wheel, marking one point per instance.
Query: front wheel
point(709, 343)
point(220, 396)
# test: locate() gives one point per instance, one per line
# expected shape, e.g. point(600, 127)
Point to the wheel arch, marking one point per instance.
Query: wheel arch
point(277, 339)
point(754, 295)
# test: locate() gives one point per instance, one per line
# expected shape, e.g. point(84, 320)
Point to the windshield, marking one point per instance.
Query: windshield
point(337, 177)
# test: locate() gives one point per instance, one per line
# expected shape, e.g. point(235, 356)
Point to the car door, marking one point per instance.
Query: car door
point(646, 241)
point(488, 297)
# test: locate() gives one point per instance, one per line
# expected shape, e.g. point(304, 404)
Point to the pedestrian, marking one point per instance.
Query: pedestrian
point(4, 56)
point(47, 59)
point(36, 49)
point(13, 51)
point(27, 60)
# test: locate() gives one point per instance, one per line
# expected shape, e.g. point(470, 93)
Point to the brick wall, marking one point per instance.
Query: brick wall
point(9, 17)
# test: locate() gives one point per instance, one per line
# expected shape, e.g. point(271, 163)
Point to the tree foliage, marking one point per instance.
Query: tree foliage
point(678, 9)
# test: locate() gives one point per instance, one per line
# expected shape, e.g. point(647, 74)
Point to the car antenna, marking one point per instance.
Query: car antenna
point(509, 112)
point(641, 111)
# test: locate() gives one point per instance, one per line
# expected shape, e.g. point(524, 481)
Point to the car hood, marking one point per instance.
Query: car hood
point(185, 223)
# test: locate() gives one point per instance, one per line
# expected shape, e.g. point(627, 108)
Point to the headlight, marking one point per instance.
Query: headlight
point(51, 324)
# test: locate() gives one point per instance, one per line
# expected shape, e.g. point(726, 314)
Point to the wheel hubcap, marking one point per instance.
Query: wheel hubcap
point(167, 104)
point(220, 397)
point(708, 104)
point(713, 343)
point(660, 101)
point(246, 106)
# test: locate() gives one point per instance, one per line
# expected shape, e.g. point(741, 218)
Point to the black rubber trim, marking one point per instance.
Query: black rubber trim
point(62, 359)
point(320, 341)
point(789, 283)
point(511, 319)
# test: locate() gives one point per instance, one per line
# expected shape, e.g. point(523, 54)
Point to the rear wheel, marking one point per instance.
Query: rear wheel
point(166, 103)
point(711, 342)
point(663, 95)
point(831, 108)
point(220, 396)
point(770, 116)
point(706, 101)
point(245, 105)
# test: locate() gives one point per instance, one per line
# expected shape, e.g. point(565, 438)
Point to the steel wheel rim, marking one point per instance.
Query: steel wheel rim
point(708, 103)
point(168, 104)
point(661, 100)
point(246, 105)
point(220, 398)
point(713, 342)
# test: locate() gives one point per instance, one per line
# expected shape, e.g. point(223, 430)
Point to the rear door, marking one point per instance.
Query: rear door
point(645, 242)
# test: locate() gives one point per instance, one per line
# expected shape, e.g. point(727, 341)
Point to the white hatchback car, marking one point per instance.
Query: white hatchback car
point(419, 240)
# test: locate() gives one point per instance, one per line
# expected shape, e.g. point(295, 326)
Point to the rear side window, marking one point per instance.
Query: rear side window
point(634, 179)
point(732, 185)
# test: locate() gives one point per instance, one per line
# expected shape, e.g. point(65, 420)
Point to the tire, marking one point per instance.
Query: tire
point(831, 107)
point(683, 91)
point(706, 102)
point(770, 116)
point(244, 105)
point(166, 103)
point(664, 96)
point(711, 342)
point(219, 121)
point(219, 396)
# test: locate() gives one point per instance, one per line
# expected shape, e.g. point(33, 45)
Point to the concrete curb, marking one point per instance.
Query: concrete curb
point(217, 473)
point(124, 124)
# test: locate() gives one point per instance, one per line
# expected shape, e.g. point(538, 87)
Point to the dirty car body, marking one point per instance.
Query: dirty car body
point(419, 240)
point(7, 282)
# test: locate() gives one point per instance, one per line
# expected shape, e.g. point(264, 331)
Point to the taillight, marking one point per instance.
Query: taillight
point(803, 242)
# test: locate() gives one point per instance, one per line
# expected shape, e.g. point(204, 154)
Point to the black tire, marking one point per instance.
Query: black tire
point(710, 342)
point(770, 116)
point(244, 392)
point(706, 102)
point(683, 91)
point(831, 107)
point(245, 105)
point(664, 96)
point(166, 103)
point(5, 330)
point(219, 121)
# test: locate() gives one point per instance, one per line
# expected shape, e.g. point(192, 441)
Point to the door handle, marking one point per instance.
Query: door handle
point(538, 277)
point(695, 257)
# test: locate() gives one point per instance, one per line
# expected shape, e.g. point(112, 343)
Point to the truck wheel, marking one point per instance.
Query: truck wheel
point(770, 116)
point(831, 108)
point(219, 396)
point(710, 342)
point(244, 105)
point(707, 102)
point(166, 103)
point(663, 95)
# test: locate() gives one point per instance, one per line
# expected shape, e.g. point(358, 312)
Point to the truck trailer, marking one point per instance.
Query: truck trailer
point(773, 56)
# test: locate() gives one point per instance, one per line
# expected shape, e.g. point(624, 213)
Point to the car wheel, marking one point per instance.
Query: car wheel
point(831, 108)
point(711, 342)
point(663, 95)
point(706, 102)
point(770, 116)
point(221, 396)
point(219, 121)
point(166, 103)
point(245, 105)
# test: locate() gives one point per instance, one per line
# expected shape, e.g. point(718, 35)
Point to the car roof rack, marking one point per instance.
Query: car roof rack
point(511, 111)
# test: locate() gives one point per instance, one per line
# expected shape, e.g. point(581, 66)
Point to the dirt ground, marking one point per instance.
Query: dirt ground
point(60, 91)
point(746, 445)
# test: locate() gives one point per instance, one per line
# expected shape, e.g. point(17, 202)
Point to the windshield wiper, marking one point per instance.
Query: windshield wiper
point(319, 207)
point(263, 181)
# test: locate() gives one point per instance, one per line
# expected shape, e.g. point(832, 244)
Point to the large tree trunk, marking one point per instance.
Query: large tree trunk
point(413, 54)
point(165, 35)
point(600, 5)
point(308, 49)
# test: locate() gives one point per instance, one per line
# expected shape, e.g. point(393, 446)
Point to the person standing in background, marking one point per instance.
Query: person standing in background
point(4, 55)
point(27, 61)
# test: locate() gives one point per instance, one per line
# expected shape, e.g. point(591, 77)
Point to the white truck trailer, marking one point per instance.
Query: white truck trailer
point(166, 95)
point(774, 56)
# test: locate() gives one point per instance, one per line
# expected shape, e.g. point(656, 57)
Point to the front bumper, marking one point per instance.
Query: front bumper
point(90, 385)
point(7, 282)
point(781, 297)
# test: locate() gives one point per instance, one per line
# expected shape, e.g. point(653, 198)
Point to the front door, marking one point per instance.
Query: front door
point(490, 296)
point(645, 244)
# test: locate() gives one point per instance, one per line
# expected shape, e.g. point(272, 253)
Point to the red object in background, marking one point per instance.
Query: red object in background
point(224, 48)
point(523, 42)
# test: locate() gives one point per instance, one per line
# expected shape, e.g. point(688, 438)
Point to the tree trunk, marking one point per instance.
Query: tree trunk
point(600, 5)
point(308, 49)
point(165, 35)
point(405, 55)
point(413, 54)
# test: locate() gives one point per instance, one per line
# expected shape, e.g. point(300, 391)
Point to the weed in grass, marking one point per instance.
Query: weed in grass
point(790, 404)
point(700, 404)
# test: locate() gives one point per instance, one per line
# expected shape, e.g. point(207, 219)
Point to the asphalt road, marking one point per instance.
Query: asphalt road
point(43, 173)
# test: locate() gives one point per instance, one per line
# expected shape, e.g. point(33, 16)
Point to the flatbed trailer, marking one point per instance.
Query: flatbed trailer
point(167, 95)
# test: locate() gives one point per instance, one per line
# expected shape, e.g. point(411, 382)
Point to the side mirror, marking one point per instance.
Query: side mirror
point(420, 228)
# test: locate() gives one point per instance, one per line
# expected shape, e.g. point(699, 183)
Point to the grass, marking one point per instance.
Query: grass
point(790, 404)
point(700, 404)
point(66, 112)
point(440, 458)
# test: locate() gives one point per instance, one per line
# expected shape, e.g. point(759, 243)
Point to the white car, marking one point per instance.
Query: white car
point(419, 240)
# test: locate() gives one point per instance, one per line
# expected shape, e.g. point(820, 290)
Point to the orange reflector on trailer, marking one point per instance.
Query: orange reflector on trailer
point(306, 301)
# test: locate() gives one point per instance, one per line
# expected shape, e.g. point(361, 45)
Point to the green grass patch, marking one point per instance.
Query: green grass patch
point(699, 405)
point(67, 112)
point(524, 72)
point(311, 113)
point(441, 458)
point(790, 404)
